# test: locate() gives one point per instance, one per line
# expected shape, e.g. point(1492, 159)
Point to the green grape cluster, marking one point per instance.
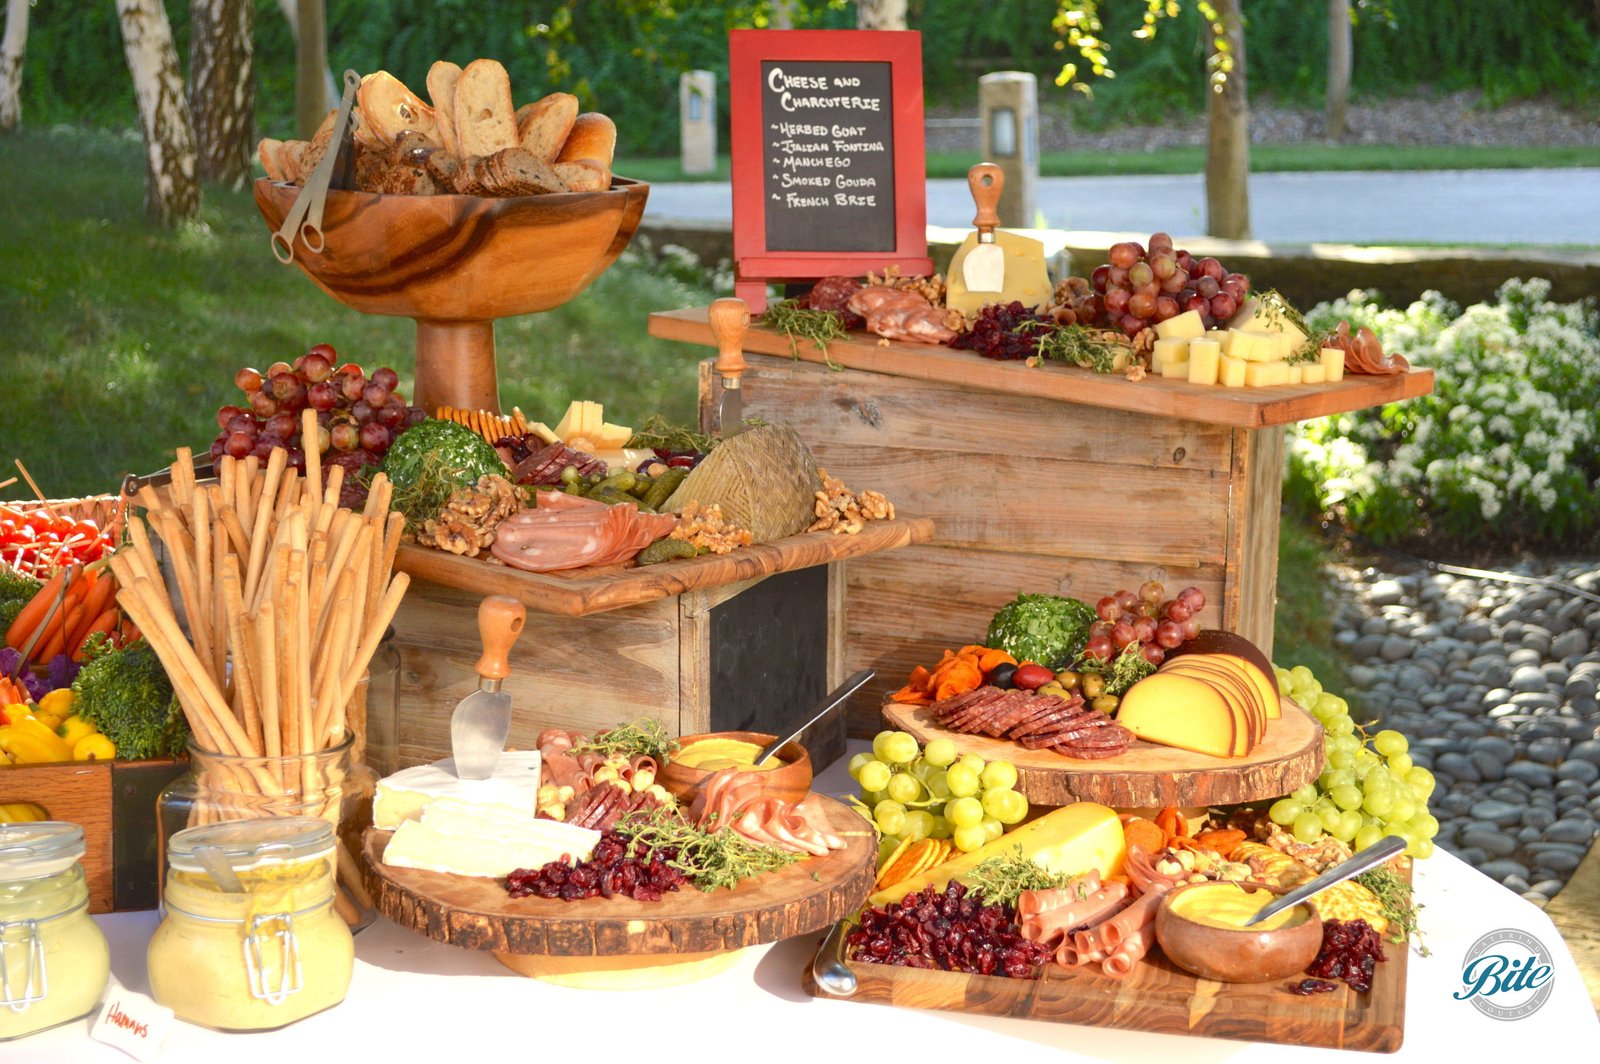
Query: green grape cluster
point(1368, 788)
point(935, 792)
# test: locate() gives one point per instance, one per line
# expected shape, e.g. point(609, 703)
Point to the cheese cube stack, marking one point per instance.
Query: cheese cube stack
point(1252, 352)
point(1165, 351)
point(1204, 361)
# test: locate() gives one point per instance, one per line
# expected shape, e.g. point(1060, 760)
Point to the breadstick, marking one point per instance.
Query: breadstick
point(258, 525)
point(309, 442)
point(267, 674)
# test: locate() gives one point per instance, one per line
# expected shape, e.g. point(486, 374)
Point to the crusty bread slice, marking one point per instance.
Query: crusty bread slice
point(267, 152)
point(584, 175)
point(516, 172)
point(388, 109)
point(485, 118)
point(442, 79)
point(543, 126)
point(593, 136)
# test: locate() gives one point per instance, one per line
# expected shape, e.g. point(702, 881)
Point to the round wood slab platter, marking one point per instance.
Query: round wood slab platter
point(476, 913)
point(1147, 776)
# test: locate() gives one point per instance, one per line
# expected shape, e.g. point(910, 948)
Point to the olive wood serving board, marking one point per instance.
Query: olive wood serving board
point(477, 913)
point(1147, 775)
point(580, 592)
point(1248, 408)
point(1160, 997)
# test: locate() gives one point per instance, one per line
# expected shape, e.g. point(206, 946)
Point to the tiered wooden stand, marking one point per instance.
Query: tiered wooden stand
point(1049, 479)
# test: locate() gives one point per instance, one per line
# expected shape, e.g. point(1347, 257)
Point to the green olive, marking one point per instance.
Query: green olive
point(1105, 703)
point(1092, 684)
point(1068, 679)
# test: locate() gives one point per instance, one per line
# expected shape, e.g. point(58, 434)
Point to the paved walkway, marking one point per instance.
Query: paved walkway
point(1559, 206)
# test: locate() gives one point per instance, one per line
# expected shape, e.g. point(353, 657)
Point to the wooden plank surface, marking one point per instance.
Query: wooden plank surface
point(1158, 996)
point(476, 913)
point(1252, 585)
point(1237, 407)
point(1576, 914)
point(78, 792)
point(1147, 775)
point(908, 606)
point(580, 592)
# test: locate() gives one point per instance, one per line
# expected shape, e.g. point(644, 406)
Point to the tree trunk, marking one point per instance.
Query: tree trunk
point(310, 60)
point(222, 89)
point(1228, 133)
point(783, 18)
point(171, 191)
point(11, 50)
point(1339, 50)
point(880, 14)
point(291, 15)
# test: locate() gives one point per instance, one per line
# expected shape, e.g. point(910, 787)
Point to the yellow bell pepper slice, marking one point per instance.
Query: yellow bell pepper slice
point(31, 742)
point(58, 703)
point(94, 747)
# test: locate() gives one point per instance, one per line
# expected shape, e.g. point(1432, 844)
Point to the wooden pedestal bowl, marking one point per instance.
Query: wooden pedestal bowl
point(456, 263)
point(790, 783)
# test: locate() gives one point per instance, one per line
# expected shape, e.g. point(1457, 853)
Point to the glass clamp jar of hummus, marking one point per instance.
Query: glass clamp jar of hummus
point(265, 953)
point(54, 961)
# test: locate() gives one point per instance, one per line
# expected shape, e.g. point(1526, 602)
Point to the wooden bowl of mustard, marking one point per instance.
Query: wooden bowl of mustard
point(789, 779)
point(1192, 925)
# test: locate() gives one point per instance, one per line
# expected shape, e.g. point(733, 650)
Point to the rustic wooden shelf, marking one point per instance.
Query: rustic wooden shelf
point(1248, 408)
point(580, 592)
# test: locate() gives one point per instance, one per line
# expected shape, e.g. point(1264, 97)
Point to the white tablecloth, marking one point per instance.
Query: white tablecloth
point(415, 999)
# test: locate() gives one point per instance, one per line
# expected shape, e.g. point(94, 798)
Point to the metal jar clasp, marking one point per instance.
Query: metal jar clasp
point(288, 950)
point(35, 984)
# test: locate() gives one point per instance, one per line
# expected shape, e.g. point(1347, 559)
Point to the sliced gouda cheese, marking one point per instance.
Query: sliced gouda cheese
point(1204, 361)
point(1333, 364)
point(1174, 710)
point(1185, 326)
point(1231, 373)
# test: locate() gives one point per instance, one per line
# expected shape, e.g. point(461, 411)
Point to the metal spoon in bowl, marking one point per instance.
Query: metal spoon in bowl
point(1371, 857)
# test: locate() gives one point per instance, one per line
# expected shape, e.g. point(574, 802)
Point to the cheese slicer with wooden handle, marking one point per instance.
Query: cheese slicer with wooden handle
point(984, 268)
point(482, 720)
point(730, 318)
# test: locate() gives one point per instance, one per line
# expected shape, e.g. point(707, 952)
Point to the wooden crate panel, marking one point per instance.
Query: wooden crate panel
point(903, 609)
point(575, 672)
point(79, 793)
point(851, 407)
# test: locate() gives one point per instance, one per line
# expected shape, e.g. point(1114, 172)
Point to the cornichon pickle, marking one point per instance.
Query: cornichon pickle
point(663, 549)
point(621, 480)
point(664, 486)
point(642, 486)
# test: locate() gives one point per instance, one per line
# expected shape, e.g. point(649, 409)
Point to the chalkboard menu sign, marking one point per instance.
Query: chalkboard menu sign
point(828, 165)
point(828, 141)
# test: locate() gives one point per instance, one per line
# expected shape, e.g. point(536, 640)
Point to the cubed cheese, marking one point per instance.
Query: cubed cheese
point(1170, 351)
point(1231, 374)
point(1175, 370)
point(1204, 361)
point(1265, 374)
point(1253, 316)
point(1333, 364)
point(1313, 373)
point(1253, 346)
point(1185, 326)
point(1294, 373)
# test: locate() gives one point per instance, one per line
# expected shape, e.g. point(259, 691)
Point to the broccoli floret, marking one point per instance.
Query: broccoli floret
point(16, 590)
point(126, 694)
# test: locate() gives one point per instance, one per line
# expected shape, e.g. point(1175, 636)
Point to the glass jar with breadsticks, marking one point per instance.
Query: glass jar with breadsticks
point(286, 596)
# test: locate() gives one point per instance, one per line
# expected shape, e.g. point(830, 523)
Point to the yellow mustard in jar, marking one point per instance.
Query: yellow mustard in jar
point(715, 754)
point(267, 954)
point(1228, 905)
point(54, 961)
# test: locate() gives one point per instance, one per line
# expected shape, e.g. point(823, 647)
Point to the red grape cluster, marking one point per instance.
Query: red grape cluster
point(1157, 626)
point(948, 930)
point(608, 871)
point(1140, 287)
point(357, 417)
point(995, 333)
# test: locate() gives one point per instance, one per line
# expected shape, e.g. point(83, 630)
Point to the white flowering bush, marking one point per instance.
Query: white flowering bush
point(1505, 447)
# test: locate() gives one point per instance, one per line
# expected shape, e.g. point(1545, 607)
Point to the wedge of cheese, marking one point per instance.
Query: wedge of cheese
point(1171, 709)
point(466, 839)
point(1072, 839)
point(513, 790)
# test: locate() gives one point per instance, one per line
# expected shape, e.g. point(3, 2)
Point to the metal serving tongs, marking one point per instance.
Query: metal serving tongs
point(304, 220)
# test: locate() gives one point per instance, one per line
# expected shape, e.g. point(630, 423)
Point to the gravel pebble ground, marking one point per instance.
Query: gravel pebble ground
point(1495, 684)
point(1447, 119)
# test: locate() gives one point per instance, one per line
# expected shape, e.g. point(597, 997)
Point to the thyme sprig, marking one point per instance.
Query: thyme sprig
point(999, 880)
point(805, 323)
point(713, 858)
point(637, 738)
point(430, 492)
point(1273, 307)
point(657, 431)
point(1075, 344)
point(1399, 908)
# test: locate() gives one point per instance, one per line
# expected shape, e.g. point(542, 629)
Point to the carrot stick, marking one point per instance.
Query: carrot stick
point(107, 622)
point(23, 625)
point(98, 600)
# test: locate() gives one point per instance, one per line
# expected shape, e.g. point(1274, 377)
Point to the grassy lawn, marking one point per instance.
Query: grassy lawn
point(120, 341)
point(1303, 624)
point(1264, 158)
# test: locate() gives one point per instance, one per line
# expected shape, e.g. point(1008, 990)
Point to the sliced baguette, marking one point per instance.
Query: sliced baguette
point(543, 126)
point(584, 175)
point(485, 118)
point(389, 109)
point(443, 77)
point(267, 152)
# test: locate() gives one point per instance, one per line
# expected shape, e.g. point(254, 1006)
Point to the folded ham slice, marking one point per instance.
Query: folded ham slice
point(564, 536)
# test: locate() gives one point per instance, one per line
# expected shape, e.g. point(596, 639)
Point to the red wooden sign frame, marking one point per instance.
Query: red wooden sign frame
point(754, 265)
